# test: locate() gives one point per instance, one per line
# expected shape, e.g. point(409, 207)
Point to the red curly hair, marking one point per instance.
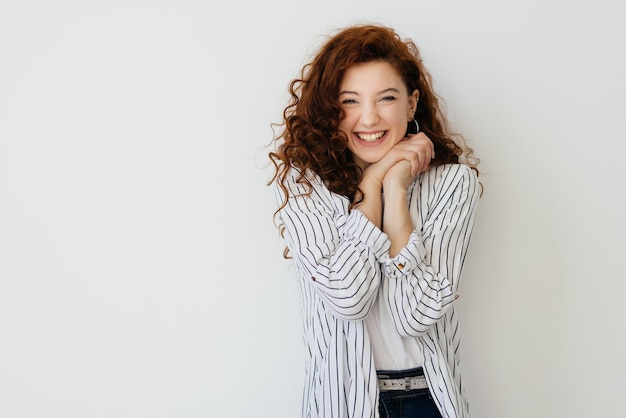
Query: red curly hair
point(310, 138)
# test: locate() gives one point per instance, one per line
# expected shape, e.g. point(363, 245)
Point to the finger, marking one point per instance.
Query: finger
point(423, 145)
point(413, 165)
point(427, 161)
point(423, 161)
point(432, 150)
point(423, 139)
point(417, 164)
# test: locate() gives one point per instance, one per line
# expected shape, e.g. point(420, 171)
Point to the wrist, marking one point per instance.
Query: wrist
point(391, 187)
point(371, 183)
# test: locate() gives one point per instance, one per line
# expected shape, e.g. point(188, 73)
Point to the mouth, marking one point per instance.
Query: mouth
point(370, 137)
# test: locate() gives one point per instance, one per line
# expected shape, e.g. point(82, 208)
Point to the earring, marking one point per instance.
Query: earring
point(412, 128)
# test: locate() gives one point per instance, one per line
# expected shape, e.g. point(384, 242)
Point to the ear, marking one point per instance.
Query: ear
point(413, 99)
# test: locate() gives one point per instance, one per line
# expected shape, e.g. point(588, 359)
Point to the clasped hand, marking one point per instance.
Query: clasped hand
point(404, 161)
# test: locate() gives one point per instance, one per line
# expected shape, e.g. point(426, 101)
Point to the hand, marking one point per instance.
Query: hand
point(400, 176)
point(417, 150)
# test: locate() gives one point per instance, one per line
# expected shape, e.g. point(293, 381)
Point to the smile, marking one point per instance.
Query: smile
point(371, 137)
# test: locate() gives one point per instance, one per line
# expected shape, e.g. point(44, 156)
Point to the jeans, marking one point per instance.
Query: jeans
point(416, 403)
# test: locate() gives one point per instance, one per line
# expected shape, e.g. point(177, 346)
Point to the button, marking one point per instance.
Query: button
point(400, 266)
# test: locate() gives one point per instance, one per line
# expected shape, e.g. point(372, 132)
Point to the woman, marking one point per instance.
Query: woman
point(376, 206)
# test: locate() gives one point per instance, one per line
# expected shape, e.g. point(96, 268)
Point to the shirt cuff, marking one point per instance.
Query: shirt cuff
point(359, 228)
point(408, 258)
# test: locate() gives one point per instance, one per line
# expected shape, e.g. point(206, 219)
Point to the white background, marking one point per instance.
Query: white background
point(141, 275)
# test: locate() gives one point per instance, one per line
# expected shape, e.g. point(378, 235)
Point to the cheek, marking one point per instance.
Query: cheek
point(399, 116)
point(346, 126)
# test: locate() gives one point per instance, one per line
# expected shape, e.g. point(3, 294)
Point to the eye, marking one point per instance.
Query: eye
point(348, 101)
point(388, 99)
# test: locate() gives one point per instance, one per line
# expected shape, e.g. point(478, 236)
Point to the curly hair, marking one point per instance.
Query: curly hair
point(310, 138)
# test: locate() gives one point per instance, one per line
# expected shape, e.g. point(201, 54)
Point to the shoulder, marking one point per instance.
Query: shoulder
point(306, 185)
point(448, 172)
point(454, 171)
point(302, 181)
point(444, 179)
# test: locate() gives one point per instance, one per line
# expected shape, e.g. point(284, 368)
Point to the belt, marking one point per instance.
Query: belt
point(404, 383)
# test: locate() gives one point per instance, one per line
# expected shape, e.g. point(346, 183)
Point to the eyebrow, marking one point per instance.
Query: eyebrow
point(391, 89)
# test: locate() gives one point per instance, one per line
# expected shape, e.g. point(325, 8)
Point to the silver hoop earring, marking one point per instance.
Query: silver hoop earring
point(412, 128)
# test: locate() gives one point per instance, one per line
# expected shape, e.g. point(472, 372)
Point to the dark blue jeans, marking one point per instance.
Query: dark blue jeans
point(416, 403)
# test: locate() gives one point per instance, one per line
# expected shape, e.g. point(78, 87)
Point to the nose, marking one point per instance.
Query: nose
point(369, 115)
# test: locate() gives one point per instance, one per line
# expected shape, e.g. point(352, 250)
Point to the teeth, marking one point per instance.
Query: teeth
point(371, 137)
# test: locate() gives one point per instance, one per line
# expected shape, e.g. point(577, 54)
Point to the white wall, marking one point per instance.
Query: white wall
point(141, 276)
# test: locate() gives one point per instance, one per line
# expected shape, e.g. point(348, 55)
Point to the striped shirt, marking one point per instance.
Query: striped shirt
point(343, 267)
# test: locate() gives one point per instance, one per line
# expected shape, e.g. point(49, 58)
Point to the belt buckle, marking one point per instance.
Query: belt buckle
point(407, 383)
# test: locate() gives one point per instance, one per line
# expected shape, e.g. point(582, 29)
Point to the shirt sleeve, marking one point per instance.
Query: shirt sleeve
point(422, 280)
point(339, 252)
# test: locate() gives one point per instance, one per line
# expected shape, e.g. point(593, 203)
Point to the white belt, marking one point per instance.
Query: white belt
point(405, 383)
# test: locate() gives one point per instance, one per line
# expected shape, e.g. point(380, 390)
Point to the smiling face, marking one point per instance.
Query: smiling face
point(377, 108)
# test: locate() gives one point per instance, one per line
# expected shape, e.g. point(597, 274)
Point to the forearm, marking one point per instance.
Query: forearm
point(397, 222)
point(423, 279)
point(371, 206)
point(341, 263)
point(345, 270)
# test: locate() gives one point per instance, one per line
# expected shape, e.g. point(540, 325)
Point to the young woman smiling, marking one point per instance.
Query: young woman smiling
point(376, 203)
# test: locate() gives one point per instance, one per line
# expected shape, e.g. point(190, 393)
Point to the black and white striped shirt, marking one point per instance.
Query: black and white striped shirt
point(342, 264)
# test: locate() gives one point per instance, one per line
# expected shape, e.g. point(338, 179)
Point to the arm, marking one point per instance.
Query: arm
point(416, 152)
point(339, 252)
point(397, 222)
point(422, 280)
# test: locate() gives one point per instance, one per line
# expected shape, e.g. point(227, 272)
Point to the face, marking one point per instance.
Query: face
point(377, 107)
